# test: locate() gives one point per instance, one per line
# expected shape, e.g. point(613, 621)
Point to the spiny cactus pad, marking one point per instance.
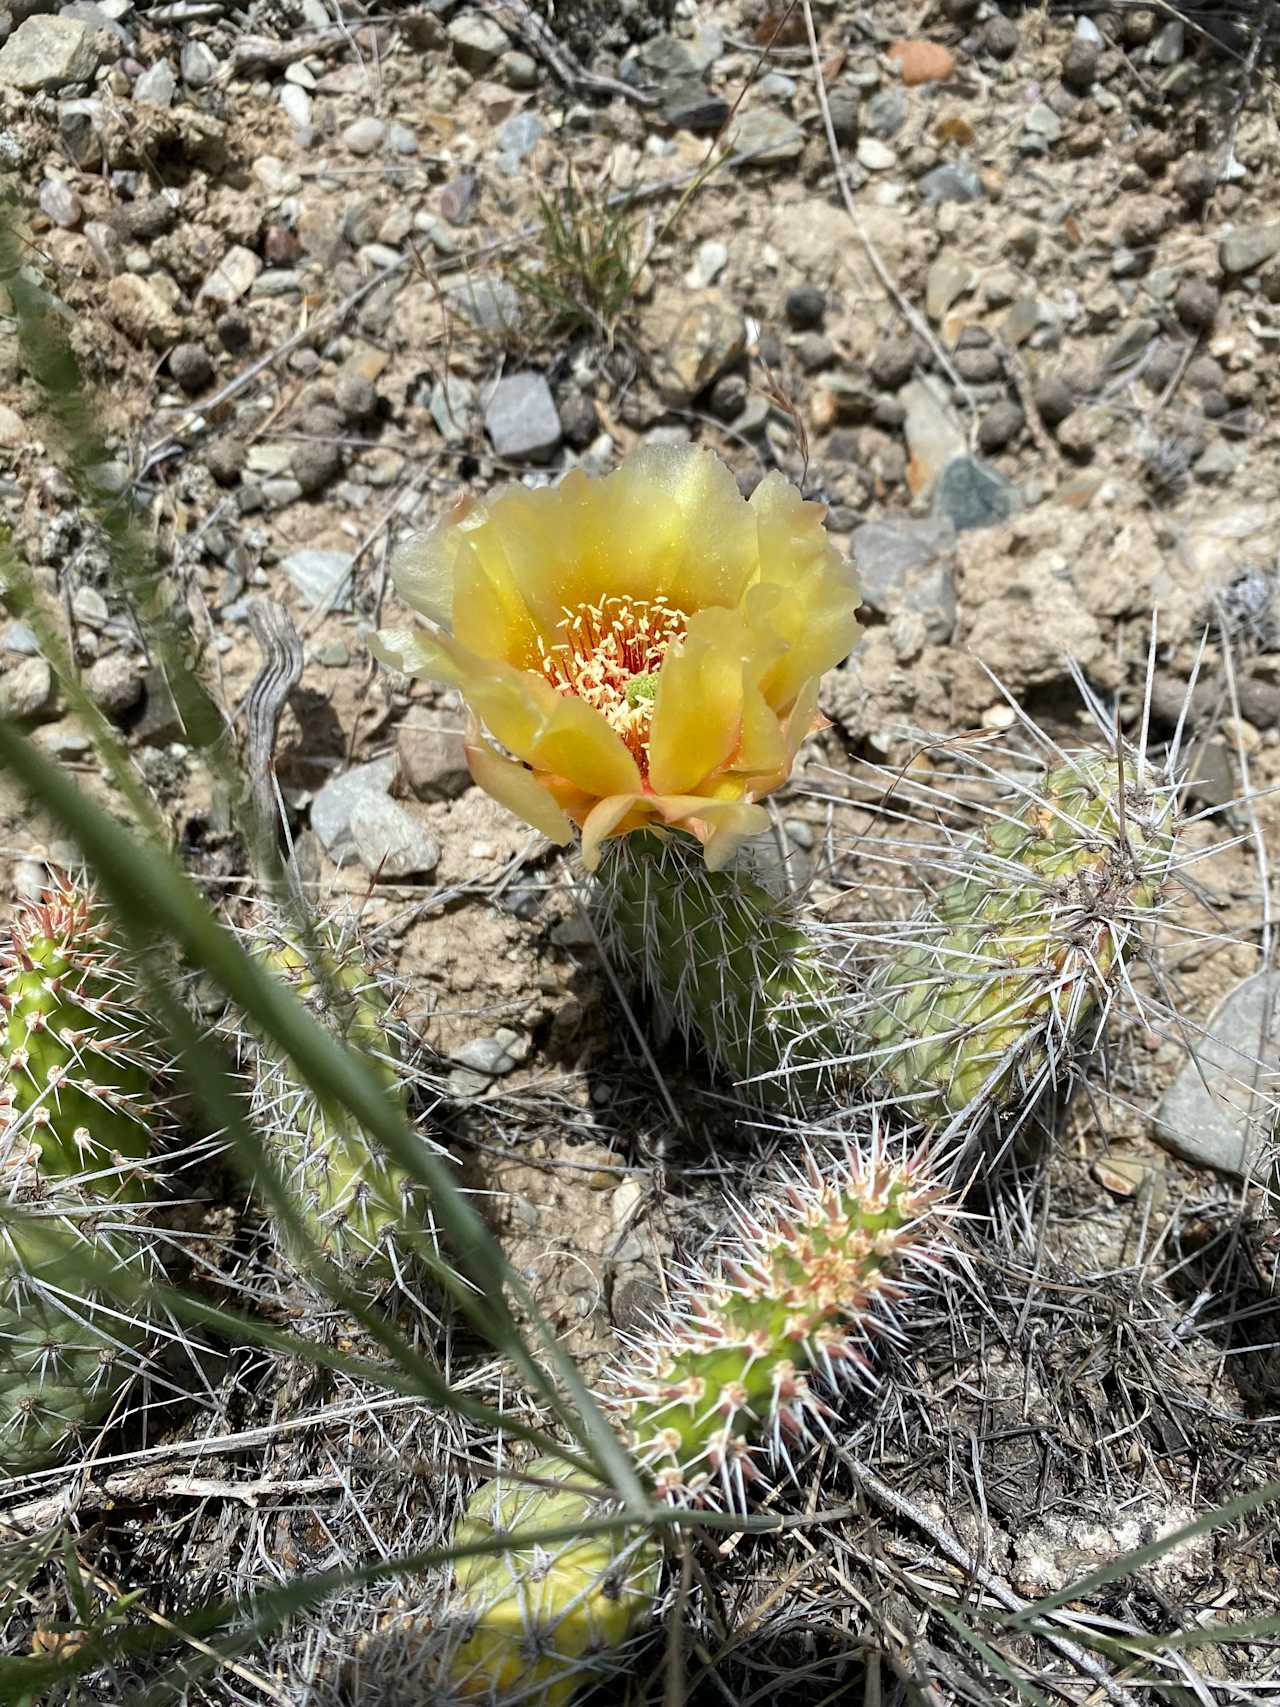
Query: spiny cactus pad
point(69, 1346)
point(351, 1197)
point(79, 1068)
point(1002, 974)
point(729, 963)
point(803, 1283)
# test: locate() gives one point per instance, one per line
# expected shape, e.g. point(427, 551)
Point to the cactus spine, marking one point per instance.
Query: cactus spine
point(1000, 976)
point(802, 1284)
point(77, 1107)
point(728, 962)
point(352, 1199)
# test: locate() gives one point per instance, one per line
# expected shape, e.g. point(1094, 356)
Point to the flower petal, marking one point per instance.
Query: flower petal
point(517, 789)
point(551, 731)
point(423, 568)
point(418, 653)
point(608, 818)
point(698, 707)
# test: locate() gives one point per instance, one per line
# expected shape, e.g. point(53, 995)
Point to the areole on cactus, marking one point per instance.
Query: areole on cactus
point(804, 1284)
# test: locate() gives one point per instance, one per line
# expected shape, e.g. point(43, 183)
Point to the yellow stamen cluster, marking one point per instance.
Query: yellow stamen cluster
point(610, 656)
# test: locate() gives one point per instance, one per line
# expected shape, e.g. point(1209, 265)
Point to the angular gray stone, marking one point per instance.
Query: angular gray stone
point(954, 182)
point(19, 638)
point(199, 65)
point(61, 203)
point(389, 841)
point(232, 276)
point(492, 1056)
point(769, 137)
point(1241, 250)
point(114, 683)
point(157, 85)
point(489, 302)
point(321, 577)
point(48, 53)
point(903, 565)
point(1218, 1111)
point(520, 417)
point(333, 805)
point(477, 42)
point(433, 762)
point(297, 106)
point(970, 494)
point(519, 135)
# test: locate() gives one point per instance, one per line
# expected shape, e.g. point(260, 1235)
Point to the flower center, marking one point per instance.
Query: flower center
point(609, 655)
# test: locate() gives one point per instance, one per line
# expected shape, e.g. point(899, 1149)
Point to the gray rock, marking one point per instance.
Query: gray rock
point(158, 85)
point(79, 132)
point(1242, 250)
point(518, 70)
point(520, 417)
point(1217, 1112)
point(934, 434)
point(90, 607)
point(1000, 426)
point(364, 136)
point(769, 137)
point(388, 840)
point(114, 683)
point(492, 1056)
point(489, 302)
point(61, 203)
point(48, 53)
point(1043, 121)
point(973, 495)
point(902, 566)
point(321, 577)
point(453, 407)
point(333, 805)
point(520, 135)
point(885, 113)
point(297, 106)
point(354, 394)
point(954, 182)
point(20, 639)
point(199, 65)
point(1168, 46)
point(949, 278)
point(401, 140)
point(433, 762)
point(26, 690)
point(232, 276)
point(477, 42)
point(874, 155)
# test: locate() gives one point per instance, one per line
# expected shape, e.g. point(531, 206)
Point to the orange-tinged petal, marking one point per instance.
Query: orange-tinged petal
point(517, 789)
point(730, 826)
point(604, 820)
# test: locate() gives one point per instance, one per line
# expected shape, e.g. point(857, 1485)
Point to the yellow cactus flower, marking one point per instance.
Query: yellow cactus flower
point(646, 647)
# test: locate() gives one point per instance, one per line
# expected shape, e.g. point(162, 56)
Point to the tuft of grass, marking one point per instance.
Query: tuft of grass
point(585, 274)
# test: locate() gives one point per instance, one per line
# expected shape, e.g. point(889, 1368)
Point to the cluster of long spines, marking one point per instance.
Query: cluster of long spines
point(1000, 979)
point(731, 964)
point(351, 1197)
point(804, 1285)
point(80, 1066)
point(80, 1108)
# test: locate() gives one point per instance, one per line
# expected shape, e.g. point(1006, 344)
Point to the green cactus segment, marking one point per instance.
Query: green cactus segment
point(79, 1070)
point(806, 1284)
point(799, 1288)
point(351, 1198)
point(68, 1348)
point(728, 962)
point(537, 1621)
point(1002, 975)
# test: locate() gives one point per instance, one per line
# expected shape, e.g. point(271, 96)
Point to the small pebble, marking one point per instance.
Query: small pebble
point(805, 307)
